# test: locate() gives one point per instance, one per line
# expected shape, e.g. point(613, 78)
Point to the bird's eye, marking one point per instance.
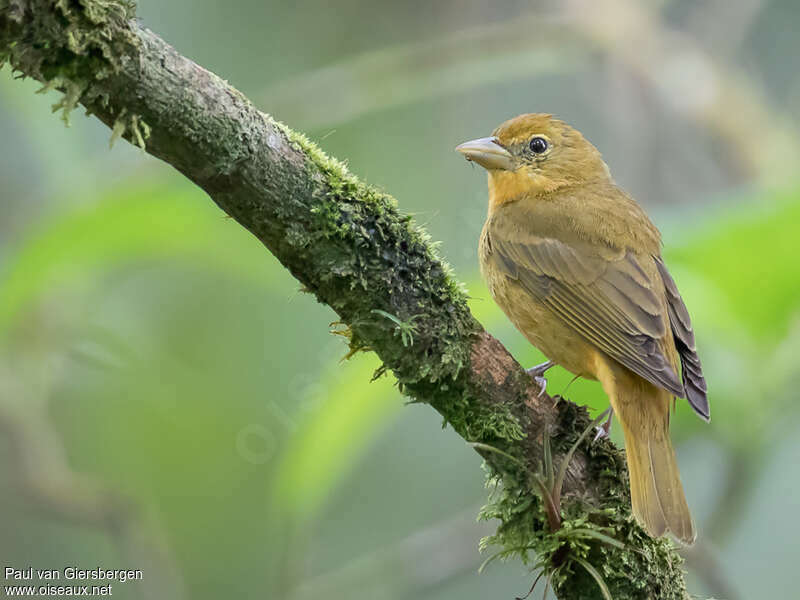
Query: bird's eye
point(538, 145)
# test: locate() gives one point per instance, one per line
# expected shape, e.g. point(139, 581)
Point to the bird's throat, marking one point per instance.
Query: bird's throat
point(510, 186)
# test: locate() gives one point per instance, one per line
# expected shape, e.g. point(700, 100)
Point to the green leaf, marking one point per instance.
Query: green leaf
point(750, 257)
point(593, 533)
point(325, 445)
point(148, 222)
point(597, 577)
point(488, 448)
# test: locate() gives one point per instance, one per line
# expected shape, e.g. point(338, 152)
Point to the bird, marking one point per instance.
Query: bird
point(576, 265)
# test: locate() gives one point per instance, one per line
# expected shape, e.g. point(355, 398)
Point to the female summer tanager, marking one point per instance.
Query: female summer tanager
point(576, 265)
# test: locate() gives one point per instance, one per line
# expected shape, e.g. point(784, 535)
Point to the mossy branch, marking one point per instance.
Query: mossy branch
point(347, 243)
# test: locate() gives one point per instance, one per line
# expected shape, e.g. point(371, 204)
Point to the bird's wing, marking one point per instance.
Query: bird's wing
point(681, 324)
point(605, 294)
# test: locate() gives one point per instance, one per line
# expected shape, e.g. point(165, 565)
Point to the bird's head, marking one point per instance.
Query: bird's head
point(534, 154)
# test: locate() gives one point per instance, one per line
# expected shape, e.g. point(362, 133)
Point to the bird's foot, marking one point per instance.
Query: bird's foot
point(537, 373)
point(542, 383)
point(604, 428)
point(539, 370)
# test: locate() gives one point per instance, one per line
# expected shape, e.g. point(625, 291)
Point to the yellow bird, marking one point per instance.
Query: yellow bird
point(576, 265)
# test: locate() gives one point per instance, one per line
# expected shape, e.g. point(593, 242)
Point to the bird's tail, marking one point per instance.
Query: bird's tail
point(659, 504)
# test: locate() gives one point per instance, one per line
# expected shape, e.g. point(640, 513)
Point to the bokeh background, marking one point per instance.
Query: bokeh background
point(170, 401)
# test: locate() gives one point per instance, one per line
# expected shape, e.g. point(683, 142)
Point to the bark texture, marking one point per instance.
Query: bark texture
point(348, 244)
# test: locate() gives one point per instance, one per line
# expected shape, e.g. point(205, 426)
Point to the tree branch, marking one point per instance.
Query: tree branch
point(348, 244)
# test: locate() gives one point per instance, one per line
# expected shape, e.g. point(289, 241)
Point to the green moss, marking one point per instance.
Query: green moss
point(395, 269)
point(71, 47)
point(138, 131)
point(603, 534)
point(478, 422)
point(343, 183)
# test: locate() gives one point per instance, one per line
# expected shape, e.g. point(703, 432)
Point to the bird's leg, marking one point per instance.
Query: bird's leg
point(605, 427)
point(537, 372)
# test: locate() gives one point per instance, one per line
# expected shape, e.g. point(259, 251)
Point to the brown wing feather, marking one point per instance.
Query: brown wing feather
point(681, 324)
point(603, 293)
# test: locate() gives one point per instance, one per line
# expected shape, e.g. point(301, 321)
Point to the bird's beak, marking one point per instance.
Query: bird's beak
point(488, 153)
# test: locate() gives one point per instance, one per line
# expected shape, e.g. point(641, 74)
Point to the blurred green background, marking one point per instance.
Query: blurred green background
point(170, 402)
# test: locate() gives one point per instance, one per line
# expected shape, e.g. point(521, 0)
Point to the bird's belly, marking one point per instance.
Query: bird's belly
point(557, 340)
